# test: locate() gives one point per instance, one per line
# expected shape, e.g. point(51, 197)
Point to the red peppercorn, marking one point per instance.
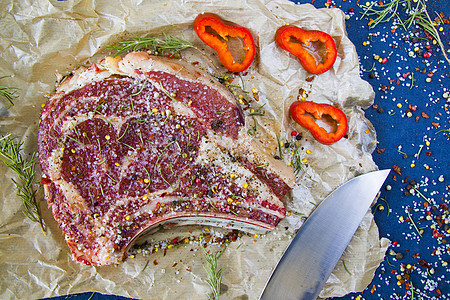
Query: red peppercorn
point(426, 54)
point(435, 233)
point(197, 180)
point(394, 243)
point(351, 9)
point(294, 133)
point(428, 47)
point(384, 60)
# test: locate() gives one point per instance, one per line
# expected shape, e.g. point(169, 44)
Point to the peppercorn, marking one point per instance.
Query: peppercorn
point(399, 256)
point(372, 75)
point(298, 137)
point(412, 182)
point(380, 110)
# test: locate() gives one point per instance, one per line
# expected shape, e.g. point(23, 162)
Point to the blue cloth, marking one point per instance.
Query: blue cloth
point(409, 116)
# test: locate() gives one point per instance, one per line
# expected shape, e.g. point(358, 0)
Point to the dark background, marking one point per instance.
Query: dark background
point(412, 143)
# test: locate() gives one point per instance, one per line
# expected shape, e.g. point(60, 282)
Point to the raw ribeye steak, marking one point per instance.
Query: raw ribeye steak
point(129, 144)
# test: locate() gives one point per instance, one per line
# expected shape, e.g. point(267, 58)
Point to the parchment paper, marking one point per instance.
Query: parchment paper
point(38, 38)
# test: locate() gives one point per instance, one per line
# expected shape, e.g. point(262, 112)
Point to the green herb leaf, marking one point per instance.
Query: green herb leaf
point(25, 170)
point(280, 148)
point(8, 92)
point(214, 273)
point(417, 15)
point(296, 161)
point(345, 267)
point(257, 112)
point(157, 45)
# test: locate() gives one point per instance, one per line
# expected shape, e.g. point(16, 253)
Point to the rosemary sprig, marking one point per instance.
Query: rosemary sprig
point(8, 92)
point(384, 12)
point(417, 15)
point(422, 18)
point(159, 46)
point(25, 170)
point(296, 161)
point(214, 273)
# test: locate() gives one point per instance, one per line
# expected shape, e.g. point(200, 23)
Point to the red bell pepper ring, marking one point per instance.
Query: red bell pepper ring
point(305, 113)
point(291, 38)
point(214, 31)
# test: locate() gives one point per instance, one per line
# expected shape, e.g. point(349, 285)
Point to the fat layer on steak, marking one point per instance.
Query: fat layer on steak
point(129, 144)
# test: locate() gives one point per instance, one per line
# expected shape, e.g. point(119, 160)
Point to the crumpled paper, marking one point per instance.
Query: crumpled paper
point(39, 38)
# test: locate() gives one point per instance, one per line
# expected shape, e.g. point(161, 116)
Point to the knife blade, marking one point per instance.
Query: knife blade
point(315, 250)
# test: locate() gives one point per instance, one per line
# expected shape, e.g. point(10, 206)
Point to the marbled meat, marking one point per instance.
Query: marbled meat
point(129, 144)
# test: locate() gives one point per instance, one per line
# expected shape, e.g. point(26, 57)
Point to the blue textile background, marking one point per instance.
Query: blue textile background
point(410, 117)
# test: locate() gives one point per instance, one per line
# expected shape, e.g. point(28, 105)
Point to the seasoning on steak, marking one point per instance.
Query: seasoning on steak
point(131, 144)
